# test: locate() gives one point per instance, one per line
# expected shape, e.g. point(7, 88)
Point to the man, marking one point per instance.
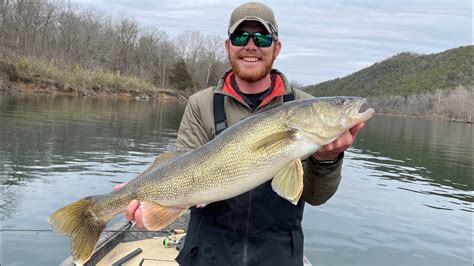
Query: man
point(258, 227)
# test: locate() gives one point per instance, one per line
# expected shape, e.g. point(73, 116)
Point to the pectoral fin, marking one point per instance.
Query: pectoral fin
point(156, 217)
point(273, 141)
point(288, 183)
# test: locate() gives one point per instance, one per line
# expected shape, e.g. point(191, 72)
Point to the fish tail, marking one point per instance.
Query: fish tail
point(79, 222)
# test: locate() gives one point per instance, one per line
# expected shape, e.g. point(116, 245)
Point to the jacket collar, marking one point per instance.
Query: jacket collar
point(281, 87)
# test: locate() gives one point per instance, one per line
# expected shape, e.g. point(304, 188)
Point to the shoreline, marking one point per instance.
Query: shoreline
point(168, 95)
point(53, 88)
point(14, 81)
point(152, 94)
point(36, 85)
point(131, 95)
point(427, 117)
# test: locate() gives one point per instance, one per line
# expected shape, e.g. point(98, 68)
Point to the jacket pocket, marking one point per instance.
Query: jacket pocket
point(187, 253)
point(191, 247)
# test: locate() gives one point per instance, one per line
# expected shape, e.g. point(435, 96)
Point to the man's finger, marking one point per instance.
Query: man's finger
point(131, 209)
point(138, 218)
point(355, 129)
point(119, 186)
point(348, 140)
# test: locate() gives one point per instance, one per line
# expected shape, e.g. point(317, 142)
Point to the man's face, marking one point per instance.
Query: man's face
point(249, 62)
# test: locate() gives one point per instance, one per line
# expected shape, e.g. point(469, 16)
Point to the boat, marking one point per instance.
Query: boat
point(124, 244)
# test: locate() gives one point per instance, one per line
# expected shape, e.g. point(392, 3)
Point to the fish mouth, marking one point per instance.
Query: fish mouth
point(359, 111)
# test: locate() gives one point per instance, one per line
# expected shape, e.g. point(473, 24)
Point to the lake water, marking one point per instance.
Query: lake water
point(405, 199)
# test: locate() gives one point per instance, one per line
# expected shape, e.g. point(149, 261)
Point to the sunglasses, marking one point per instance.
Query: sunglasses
point(260, 40)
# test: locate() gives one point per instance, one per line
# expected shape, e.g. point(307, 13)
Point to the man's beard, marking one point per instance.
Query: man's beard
point(250, 76)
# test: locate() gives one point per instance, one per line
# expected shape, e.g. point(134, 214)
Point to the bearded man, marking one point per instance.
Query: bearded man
point(258, 227)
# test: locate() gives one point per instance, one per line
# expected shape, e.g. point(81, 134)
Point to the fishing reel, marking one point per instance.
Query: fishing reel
point(170, 241)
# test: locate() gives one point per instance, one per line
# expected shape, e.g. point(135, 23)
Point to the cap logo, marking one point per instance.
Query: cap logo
point(253, 7)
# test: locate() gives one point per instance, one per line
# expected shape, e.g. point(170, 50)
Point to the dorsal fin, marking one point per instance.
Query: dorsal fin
point(161, 160)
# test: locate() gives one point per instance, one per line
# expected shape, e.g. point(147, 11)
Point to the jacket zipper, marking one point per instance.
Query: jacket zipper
point(247, 229)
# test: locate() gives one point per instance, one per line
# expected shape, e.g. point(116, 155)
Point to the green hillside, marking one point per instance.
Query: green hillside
point(404, 74)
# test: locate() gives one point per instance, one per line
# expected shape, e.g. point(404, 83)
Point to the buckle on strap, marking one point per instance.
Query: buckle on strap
point(220, 126)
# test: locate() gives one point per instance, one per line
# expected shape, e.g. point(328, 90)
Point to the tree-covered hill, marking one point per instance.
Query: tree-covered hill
point(405, 74)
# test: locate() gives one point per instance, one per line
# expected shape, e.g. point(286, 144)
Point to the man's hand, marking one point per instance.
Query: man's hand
point(332, 150)
point(133, 212)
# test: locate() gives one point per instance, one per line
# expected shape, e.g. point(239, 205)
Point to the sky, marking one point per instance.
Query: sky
point(322, 39)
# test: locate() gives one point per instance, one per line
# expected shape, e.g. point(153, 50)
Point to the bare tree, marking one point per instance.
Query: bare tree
point(4, 4)
point(92, 24)
point(69, 28)
point(147, 54)
point(450, 104)
point(59, 30)
point(50, 16)
point(127, 30)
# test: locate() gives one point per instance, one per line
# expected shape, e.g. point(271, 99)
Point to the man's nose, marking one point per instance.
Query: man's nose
point(250, 45)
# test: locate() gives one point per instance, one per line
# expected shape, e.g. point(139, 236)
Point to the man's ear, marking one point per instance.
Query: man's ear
point(276, 49)
point(226, 44)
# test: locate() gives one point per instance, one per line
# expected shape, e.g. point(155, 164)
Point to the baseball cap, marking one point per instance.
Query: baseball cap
point(253, 11)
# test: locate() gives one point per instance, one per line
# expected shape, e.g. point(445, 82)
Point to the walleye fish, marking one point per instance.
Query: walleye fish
point(267, 145)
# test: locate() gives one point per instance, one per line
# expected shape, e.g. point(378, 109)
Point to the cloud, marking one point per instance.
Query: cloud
point(321, 39)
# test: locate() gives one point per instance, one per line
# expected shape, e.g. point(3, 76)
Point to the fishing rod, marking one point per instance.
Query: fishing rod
point(106, 230)
point(123, 229)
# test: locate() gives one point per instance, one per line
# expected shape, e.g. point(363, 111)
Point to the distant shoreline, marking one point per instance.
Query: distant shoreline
point(124, 94)
point(162, 94)
point(426, 117)
point(13, 81)
point(42, 78)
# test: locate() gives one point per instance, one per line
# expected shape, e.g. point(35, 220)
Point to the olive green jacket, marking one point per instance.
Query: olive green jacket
point(197, 128)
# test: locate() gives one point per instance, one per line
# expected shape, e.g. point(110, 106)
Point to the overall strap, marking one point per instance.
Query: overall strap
point(220, 120)
point(289, 97)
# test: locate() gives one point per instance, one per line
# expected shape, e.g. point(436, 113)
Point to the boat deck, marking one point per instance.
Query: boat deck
point(122, 238)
